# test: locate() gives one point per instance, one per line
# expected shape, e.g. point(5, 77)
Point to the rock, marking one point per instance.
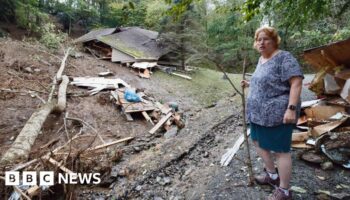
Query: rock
point(37, 70)
point(28, 70)
point(138, 188)
point(157, 198)
point(176, 198)
point(313, 157)
point(114, 172)
point(158, 179)
point(12, 138)
point(327, 165)
point(187, 172)
point(137, 149)
point(206, 154)
point(172, 132)
point(124, 172)
point(167, 180)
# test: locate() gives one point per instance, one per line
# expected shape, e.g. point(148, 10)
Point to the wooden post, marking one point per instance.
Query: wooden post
point(246, 142)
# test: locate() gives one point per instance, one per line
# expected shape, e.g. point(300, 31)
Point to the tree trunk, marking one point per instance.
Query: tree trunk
point(61, 104)
point(21, 147)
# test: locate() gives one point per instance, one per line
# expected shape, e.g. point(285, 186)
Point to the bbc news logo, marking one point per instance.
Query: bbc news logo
point(47, 178)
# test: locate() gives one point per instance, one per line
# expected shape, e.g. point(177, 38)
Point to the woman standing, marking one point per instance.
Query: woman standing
point(272, 108)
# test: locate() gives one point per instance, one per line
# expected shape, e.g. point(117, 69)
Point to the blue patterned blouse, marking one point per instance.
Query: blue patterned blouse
point(269, 89)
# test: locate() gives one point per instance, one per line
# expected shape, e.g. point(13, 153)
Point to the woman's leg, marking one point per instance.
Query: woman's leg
point(267, 158)
point(284, 165)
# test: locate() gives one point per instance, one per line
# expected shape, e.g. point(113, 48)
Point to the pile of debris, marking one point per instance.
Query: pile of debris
point(134, 101)
point(131, 46)
point(326, 120)
point(83, 153)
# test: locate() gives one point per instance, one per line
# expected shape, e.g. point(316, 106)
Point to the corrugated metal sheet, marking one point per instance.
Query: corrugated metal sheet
point(92, 35)
point(330, 56)
point(118, 56)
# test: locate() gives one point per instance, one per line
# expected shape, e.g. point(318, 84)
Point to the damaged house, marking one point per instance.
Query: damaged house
point(132, 46)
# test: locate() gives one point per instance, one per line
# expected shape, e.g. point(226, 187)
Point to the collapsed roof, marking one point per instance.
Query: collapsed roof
point(128, 44)
point(92, 35)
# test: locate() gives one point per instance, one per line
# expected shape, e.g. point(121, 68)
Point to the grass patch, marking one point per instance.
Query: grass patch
point(206, 87)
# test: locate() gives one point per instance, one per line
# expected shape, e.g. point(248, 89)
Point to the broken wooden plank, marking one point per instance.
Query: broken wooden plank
point(182, 76)
point(227, 157)
point(300, 137)
point(321, 129)
point(323, 112)
point(145, 115)
point(98, 83)
point(110, 144)
point(164, 109)
point(128, 117)
point(33, 191)
point(310, 103)
point(301, 145)
point(59, 165)
point(160, 123)
point(115, 96)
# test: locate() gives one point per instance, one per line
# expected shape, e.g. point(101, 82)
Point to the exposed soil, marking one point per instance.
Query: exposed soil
point(150, 166)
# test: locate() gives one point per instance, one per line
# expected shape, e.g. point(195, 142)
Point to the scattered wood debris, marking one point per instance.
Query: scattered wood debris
point(155, 113)
point(327, 119)
point(96, 84)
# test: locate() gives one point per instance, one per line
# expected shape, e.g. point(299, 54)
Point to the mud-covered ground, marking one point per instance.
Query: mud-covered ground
point(186, 166)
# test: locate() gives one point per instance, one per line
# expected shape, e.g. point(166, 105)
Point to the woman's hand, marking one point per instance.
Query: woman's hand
point(245, 83)
point(289, 117)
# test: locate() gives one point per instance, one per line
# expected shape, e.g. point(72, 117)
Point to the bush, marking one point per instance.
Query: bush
point(50, 38)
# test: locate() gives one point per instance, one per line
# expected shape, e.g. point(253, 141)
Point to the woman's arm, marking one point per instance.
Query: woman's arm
point(295, 90)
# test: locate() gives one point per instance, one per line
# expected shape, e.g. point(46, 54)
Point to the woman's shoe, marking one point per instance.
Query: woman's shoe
point(265, 179)
point(278, 194)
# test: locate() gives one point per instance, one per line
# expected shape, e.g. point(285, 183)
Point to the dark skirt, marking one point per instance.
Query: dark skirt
point(277, 139)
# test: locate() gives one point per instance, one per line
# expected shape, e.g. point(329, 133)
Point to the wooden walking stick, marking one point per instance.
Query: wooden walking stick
point(245, 133)
point(226, 159)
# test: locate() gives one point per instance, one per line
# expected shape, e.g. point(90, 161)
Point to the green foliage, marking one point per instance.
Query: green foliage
point(202, 32)
point(155, 14)
point(29, 17)
point(50, 38)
